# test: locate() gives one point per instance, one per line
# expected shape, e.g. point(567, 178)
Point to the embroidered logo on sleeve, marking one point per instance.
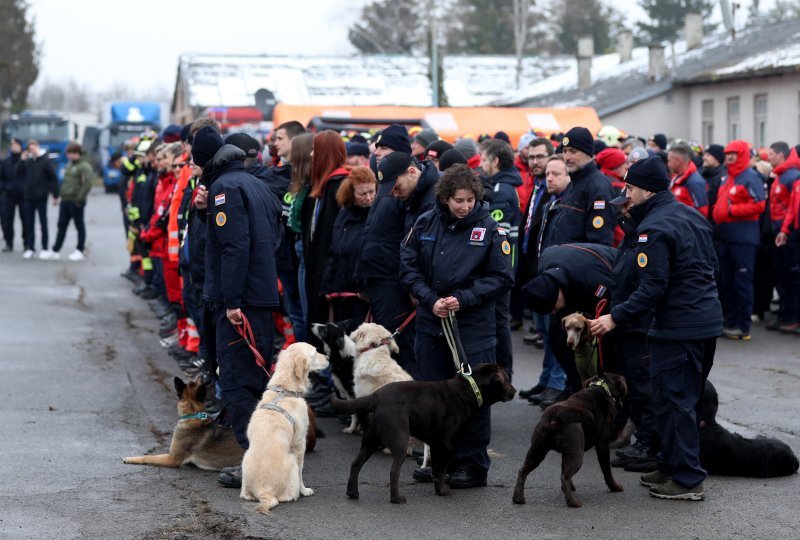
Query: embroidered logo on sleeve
point(506, 247)
point(219, 200)
point(597, 222)
point(642, 238)
point(641, 260)
point(599, 205)
point(221, 219)
point(477, 235)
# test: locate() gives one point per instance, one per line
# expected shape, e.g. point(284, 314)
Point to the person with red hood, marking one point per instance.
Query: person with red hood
point(687, 184)
point(784, 199)
point(613, 163)
point(740, 202)
point(525, 190)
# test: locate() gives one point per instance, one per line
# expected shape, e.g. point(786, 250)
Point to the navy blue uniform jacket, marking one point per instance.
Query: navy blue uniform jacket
point(583, 214)
point(467, 258)
point(348, 230)
point(627, 281)
point(584, 272)
point(243, 232)
point(676, 264)
point(505, 204)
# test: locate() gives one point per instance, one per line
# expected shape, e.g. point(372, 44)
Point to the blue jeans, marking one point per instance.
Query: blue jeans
point(301, 289)
point(552, 375)
point(292, 302)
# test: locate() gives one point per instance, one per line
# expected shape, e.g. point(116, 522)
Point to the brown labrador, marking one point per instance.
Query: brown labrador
point(433, 412)
point(573, 426)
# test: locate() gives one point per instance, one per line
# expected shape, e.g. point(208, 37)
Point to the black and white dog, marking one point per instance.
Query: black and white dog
point(729, 454)
point(341, 352)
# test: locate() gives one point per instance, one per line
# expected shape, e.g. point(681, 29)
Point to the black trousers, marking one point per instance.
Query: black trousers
point(678, 371)
point(241, 379)
point(11, 204)
point(502, 315)
point(33, 207)
point(70, 211)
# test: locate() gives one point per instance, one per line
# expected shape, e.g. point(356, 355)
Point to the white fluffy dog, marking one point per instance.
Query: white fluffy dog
point(272, 468)
point(374, 366)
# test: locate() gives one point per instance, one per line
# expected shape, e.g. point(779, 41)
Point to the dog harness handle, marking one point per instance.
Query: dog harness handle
point(246, 331)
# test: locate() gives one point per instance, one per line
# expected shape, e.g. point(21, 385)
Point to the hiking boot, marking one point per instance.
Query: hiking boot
point(525, 394)
point(675, 491)
point(149, 293)
point(131, 275)
point(230, 477)
point(736, 333)
point(643, 466)
point(773, 325)
point(635, 451)
point(561, 396)
point(545, 395)
point(655, 478)
point(423, 474)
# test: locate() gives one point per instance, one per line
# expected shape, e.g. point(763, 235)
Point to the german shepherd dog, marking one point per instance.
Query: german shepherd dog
point(573, 426)
point(196, 440)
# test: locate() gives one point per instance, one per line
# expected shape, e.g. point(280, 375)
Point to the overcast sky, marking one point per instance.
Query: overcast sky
point(139, 43)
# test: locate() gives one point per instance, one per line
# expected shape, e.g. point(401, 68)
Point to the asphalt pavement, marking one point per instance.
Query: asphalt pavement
point(83, 383)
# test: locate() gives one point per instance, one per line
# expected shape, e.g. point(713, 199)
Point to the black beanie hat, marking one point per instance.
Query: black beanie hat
point(649, 173)
point(437, 148)
point(205, 144)
point(541, 293)
point(450, 158)
point(661, 140)
point(244, 142)
point(395, 137)
point(718, 151)
point(579, 138)
point(598, 146)
point(185, 132)
point(503, 136)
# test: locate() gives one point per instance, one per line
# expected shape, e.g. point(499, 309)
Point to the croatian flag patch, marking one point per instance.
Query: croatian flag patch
point(601, 290)
point(642, 238)
point(477, 234)
point(219, 199)
point(599, 205)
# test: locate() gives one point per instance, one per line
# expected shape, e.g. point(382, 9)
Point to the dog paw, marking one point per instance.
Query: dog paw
point(352, 494)
point(398, 500)
point(519, 499)
point(573, 503)
point(616, 487)
point(348, 430)
point(443, 492)
point(306, 492)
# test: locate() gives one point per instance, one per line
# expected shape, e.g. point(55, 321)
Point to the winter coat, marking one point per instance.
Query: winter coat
point(348, 232)
point(786, 174)
point(504, 207)
point(740, 199)
point(690, 189)
point(40, 177)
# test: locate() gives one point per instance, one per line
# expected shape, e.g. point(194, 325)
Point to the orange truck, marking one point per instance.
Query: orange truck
point(449, 122)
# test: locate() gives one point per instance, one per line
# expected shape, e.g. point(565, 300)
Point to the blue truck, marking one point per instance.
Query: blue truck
point(122, 121)
point(53, 131)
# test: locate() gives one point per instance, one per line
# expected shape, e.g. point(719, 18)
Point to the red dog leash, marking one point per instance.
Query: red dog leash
point(601, 306)
point(246, 331)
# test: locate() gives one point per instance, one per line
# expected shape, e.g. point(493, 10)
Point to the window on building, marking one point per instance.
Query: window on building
point(760, 124)
point(734, 120)
point(707, 114)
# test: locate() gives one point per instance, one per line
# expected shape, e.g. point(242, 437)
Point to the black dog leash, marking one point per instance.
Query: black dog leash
point(451, 334)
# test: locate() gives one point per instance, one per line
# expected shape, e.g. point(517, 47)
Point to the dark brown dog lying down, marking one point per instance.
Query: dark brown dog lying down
point(573, 426)
point(433, 412)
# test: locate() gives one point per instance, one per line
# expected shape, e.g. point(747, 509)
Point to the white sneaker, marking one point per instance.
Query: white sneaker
point(76, 256)
point(28, 254)
point(55, 256)
point(45, 255)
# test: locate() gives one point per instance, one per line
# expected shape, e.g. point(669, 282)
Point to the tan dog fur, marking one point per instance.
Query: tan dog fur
point(272, 468)
point(198, 442)
point(576, 325)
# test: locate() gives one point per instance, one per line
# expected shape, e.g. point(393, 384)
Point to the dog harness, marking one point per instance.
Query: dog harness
point(273, 405)
point(602, 384)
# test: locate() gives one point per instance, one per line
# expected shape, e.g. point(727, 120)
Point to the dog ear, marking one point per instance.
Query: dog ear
point(564, 322)
point(320, 330)
point(301, 363)
point(180, 386)
point(393, 346)
point(357, 335)
point(347, 325)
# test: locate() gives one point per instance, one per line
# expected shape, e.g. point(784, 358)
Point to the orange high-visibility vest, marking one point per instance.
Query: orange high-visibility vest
point(173, 242)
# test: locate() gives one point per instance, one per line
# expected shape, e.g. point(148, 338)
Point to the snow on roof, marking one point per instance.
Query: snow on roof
point(217, 80)
point(616, 85)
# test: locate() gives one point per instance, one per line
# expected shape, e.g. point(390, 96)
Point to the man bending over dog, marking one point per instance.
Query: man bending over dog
point(676, 266)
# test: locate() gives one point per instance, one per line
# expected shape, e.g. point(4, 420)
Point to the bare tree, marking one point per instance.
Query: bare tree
point(521, 10)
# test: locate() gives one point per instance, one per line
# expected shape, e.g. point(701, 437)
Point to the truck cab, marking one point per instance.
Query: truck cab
point(53, 130)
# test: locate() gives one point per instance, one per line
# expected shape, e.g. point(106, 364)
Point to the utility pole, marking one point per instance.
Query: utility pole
point(434, 56)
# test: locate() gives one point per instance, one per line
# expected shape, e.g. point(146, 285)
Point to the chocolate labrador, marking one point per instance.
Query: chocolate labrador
point(433, 412)
point(573, 426)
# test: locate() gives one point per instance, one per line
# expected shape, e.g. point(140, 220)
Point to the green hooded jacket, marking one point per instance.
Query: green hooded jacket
point(78, 178)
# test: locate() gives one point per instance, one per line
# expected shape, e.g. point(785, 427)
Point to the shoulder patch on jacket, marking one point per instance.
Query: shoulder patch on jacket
point(599, 205)
point(221, 219)
point(219, 200)
point(597, 222)
point(506, 247)
point(641, 260)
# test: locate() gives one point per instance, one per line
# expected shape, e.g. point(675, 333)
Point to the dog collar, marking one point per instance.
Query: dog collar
point(195, 416)
point(286, 393)
point(381, 343)
point(604, 385)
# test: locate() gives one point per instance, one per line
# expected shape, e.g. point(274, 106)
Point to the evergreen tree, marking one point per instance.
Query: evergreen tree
point(667, 17)
point(390, 27)
point(481, 27)
point(19, 54)
point(574, 19)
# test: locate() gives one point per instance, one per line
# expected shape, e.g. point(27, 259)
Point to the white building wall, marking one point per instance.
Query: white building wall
point(667, 113)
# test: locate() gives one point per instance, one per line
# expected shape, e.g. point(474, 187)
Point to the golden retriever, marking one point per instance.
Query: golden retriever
point(272, 468)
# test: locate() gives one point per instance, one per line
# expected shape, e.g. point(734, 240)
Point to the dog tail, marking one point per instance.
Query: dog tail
point(559, 414)
point(366, 404)
point(267, 501)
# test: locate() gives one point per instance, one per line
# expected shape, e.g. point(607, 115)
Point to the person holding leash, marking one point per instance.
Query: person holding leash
point(455, 259)
point(677, 269)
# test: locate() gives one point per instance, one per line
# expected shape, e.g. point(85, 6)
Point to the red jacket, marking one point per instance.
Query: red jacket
point(524, 191)
point(740, 196)
point(791, 222)
point(691, 189)
point(781, 190)
point(156, 232)
point(474, 162)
